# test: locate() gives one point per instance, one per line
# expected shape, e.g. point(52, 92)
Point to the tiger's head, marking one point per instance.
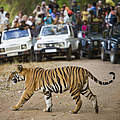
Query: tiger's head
point(14, 76)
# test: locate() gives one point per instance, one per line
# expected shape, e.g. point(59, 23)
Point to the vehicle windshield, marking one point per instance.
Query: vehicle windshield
point(54, 30)
point(14, 34)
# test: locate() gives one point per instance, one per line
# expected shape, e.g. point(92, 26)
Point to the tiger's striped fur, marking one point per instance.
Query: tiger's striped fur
point(57, 80)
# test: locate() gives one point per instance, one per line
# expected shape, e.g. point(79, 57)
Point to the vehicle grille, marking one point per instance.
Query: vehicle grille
point(50, 45)
point(13, 48)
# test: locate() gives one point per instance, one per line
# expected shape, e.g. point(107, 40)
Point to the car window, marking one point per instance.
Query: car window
point(54, 30)
point(14, 34)
point(48, 31)
point(62, 30)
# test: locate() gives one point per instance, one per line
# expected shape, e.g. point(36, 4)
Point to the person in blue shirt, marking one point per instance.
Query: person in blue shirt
point(93, 8)
point(48, 19)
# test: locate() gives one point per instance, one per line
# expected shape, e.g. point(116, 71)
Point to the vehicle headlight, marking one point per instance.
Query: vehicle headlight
point(24, 46)
point(2, 50)
point(41, 46)
point(56, 45)
point(62, 44)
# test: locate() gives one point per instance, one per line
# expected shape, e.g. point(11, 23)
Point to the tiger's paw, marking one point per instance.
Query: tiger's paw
point(74, 112)
point(14, 108)
point(47, 109)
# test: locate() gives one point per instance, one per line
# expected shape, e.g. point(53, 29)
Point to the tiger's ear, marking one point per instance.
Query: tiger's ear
point(19, 68)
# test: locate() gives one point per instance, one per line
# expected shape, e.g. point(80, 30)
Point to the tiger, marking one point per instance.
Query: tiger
point(57, 80)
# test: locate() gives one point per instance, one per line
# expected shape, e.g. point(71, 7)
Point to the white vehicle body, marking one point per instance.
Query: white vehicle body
point(56, 40)
point(15, 43)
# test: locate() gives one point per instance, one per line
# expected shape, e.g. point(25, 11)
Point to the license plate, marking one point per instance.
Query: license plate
point(12, 54)
point(95, 43)
point(50, 50)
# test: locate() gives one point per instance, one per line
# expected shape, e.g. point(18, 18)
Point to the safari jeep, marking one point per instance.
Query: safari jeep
point(56, 40)
point(15, 43)
point(111, 45)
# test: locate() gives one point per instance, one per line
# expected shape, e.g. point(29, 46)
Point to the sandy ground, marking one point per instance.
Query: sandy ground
point(108, 96)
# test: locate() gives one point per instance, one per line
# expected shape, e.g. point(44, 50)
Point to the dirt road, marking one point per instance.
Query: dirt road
point(108, 96)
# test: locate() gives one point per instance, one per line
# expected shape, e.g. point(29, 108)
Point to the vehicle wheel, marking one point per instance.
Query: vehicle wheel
point(113, 57)
point(103, 55)
point(69, 53)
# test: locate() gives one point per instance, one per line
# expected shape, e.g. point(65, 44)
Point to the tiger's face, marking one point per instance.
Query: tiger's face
point(14, 76)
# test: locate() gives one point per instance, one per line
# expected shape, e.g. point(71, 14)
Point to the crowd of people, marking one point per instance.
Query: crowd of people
point(97, 14)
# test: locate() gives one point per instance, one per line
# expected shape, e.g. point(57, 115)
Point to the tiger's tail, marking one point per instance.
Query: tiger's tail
point(101, 82)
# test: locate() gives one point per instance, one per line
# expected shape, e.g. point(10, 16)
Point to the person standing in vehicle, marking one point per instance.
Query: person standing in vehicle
point(84, 28)
point(2, 15)
point(118, 13)
point(85, 14)
point(47, 19)
point(112, 19)
point(6, 21)
point(2, 18)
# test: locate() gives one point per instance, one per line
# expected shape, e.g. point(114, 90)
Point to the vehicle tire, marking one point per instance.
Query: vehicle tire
point(69, 54)
point(113, 57)
point(103, 55)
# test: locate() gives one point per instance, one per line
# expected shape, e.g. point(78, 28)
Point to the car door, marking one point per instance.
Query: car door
point(73, 40)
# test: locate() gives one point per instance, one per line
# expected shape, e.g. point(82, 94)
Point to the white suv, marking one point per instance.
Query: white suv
point(56, 40)
point(15, 43)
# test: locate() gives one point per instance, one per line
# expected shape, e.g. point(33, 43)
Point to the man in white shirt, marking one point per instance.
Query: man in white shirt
point(6, 21)
point(2, 15)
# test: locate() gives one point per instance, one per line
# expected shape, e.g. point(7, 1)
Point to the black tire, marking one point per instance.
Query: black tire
point(113, 57)
point(103, 55)
point(69, 54)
